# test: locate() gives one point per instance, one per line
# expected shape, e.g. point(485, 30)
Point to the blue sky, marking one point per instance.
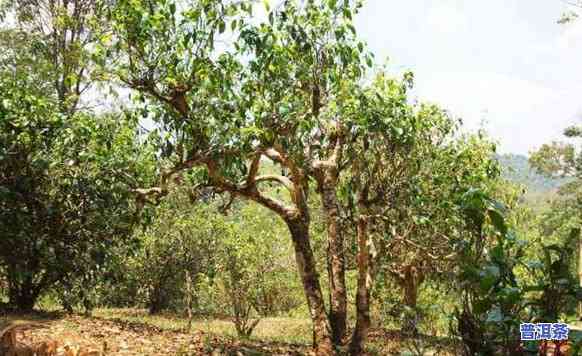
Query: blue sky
point(503, 64)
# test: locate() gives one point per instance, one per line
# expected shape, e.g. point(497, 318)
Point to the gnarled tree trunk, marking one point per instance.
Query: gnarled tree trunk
point(410, 283)
point(363, 293)
point(335, 258)
point(309, 277)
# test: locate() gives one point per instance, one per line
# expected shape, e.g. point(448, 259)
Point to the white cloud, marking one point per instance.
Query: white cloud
point(505, 61)
point(517, 112)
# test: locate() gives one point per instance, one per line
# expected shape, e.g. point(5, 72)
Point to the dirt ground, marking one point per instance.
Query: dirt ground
point(120, 332)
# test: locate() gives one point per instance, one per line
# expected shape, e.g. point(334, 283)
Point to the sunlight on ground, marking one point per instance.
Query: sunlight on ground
point(135, 332)
point(282, 329)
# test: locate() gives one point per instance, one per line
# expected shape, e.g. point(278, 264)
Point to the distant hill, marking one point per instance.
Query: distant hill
point(516, 169)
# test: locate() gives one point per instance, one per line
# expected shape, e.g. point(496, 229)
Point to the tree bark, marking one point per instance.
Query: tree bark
point(413, 277)
point(158, 300)
point(335, 258)
point(309, 277)
point(363, 293)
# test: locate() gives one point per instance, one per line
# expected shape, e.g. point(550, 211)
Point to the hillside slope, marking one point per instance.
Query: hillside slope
point(516, 169)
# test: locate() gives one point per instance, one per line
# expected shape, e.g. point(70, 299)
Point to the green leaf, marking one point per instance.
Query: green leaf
point(369, 62)
point(498, 221)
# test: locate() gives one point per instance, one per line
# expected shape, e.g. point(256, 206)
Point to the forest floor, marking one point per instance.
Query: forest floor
point(134, 332)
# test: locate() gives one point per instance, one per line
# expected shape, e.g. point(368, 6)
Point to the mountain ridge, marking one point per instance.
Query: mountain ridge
point(516, 169)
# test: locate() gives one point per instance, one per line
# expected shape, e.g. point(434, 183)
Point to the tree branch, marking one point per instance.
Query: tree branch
point(249, 192)
point(163, 188)
point(255, 164)
point(274, 156)
point(286, 182)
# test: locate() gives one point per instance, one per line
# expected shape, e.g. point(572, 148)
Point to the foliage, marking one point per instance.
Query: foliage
point(492, 303)
point(423, 222)
point(58, 36)
point(62, 209)
point(238, 264)
point(506, 281)
point(555, 159)
point(555, 281)
point(66, 172)
point(572, 14)
point(181, 241)
point(64, 188)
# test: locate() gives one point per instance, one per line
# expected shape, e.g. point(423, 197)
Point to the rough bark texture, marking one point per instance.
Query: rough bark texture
point(363, 294)
point(306, 265)
point(335, 259)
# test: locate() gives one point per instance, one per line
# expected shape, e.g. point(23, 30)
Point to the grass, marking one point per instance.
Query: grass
point(135, 332)
point(273, 329)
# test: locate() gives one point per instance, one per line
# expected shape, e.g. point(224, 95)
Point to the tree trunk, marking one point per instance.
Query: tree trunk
point(23, 299)
point(413, 277)
point(158, 300)
point(22, 294)
point(322, 340)
point(335, 259)
point(87, 304)
point(363, 294)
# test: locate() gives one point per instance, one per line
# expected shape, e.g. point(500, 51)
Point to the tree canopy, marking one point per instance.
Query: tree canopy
point(284, 124)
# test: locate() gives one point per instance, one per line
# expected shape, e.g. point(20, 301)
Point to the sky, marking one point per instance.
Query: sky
point(503, 65)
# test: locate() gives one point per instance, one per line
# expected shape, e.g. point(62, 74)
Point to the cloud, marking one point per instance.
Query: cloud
point(503, 61)
point(517, 112)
